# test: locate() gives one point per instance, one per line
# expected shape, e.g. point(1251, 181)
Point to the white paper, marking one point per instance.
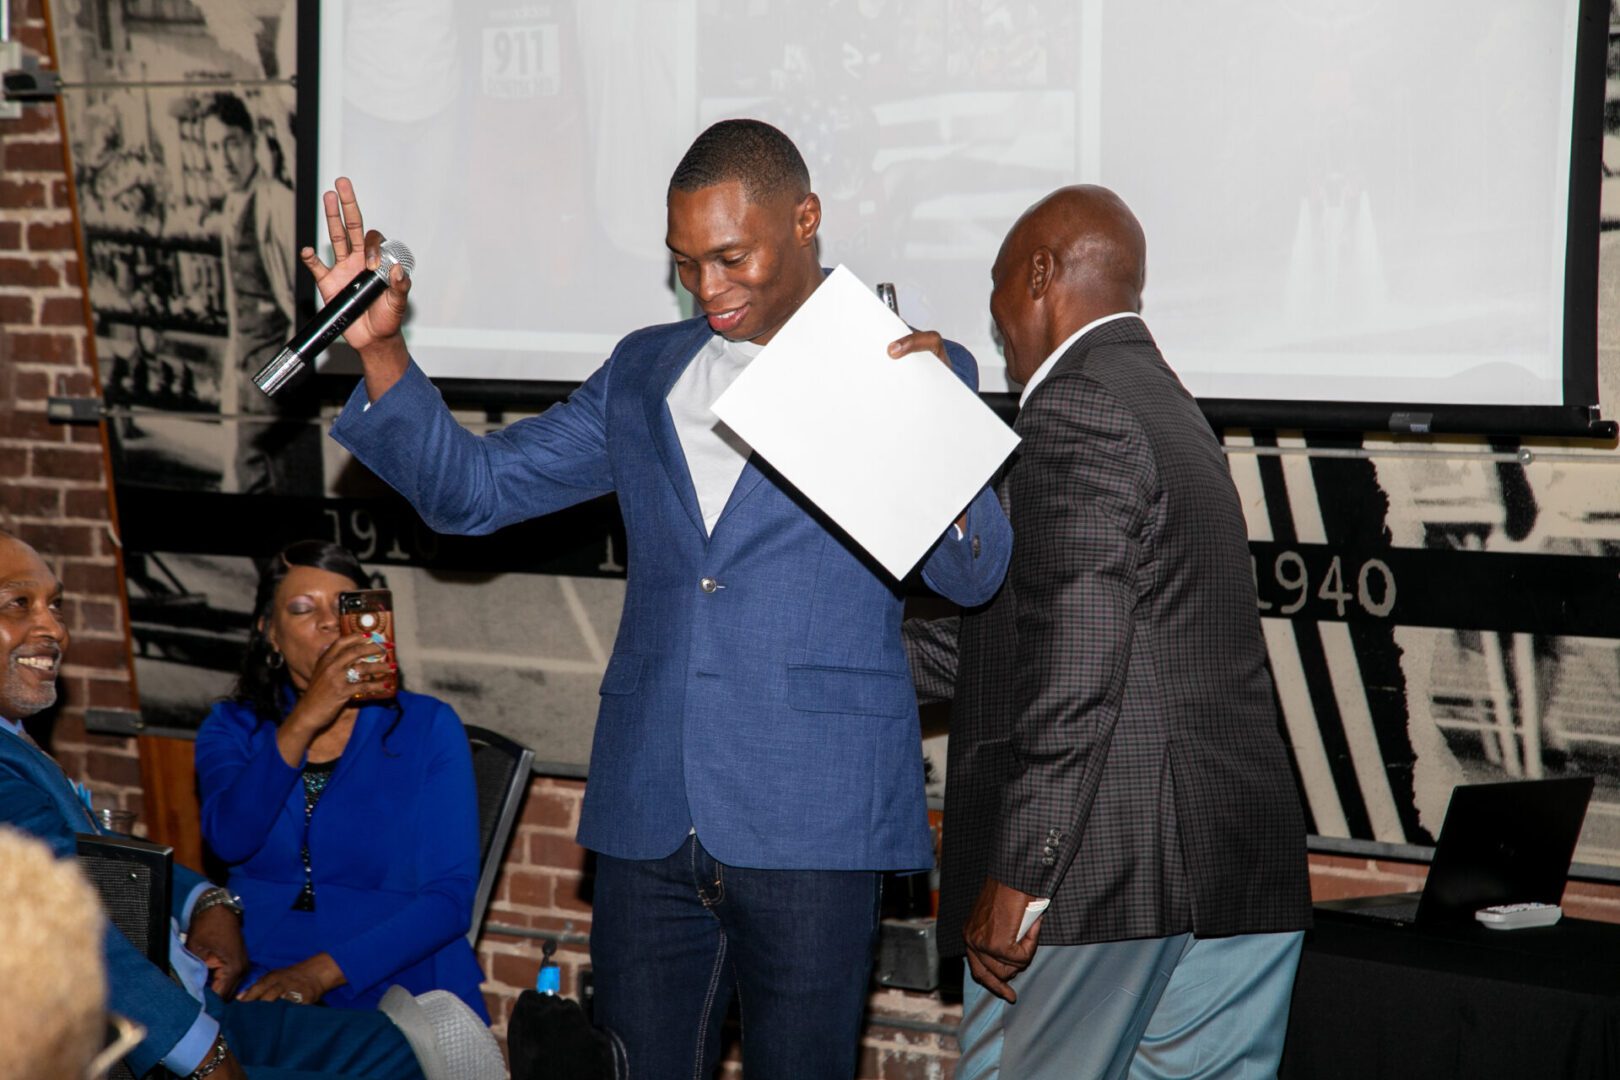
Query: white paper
point(891, 449)
point(1032, 911)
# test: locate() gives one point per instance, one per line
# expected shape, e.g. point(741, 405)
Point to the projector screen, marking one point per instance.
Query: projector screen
point(1364, 203)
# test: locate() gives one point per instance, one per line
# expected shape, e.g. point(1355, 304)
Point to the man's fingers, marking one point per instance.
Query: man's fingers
point(352, 221)
point(994, 963)
point(312, 263)
point(985, 977)
point(918, 341)
point(373, 244)
point(334, 226)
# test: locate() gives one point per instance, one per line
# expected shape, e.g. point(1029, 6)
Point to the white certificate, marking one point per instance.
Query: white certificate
point(891, 450)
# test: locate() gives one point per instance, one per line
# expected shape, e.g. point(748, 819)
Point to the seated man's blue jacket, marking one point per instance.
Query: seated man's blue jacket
point(772, 711)
point(37, 798)
point(393, 848)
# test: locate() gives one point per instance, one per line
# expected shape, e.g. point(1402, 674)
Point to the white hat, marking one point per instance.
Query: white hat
point(450, 1041)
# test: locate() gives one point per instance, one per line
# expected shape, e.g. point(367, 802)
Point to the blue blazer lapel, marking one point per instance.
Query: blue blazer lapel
point(746, 483)
point(666, 370)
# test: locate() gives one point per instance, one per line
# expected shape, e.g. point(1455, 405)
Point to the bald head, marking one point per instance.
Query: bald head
point(33, 634)
point(1075, 256)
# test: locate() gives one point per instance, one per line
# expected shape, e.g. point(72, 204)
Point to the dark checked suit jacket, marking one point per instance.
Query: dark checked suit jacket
point(1114, 738)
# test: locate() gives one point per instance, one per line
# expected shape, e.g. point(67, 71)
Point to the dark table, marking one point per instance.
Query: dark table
point(1383, 1000)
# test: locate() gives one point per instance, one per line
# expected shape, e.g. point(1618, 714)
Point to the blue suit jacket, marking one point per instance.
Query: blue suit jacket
point(774, 711)
point(36, 797)
point(393, 848)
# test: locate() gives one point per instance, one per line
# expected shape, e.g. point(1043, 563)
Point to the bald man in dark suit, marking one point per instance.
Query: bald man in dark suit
point(1115, 750)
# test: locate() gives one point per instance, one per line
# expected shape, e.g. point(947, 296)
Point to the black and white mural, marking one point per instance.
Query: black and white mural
point(1438, 610)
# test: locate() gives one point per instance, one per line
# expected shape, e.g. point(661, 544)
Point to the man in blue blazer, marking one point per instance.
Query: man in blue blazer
point(756, 762)
point(189, 1028)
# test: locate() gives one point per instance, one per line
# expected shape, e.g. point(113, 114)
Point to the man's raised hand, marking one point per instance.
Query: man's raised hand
point(375, 335)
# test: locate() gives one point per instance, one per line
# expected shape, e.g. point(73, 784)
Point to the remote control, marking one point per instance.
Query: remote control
point(1519, 916)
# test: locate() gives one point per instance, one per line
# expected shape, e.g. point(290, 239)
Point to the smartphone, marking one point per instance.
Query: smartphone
point(370, 611)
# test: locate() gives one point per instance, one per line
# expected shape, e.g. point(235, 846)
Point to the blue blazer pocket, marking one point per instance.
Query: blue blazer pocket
point(849, 691)
point(623, 674)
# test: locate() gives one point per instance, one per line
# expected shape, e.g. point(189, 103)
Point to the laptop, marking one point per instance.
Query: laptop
point(1507, 843)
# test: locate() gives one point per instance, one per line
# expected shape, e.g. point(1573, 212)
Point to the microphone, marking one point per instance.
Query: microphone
point(340, 311)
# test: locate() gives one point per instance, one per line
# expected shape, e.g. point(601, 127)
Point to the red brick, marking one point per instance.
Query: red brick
point(71, 759)
point(549, 809)
point(109, 694)
point(60, 197)
point(55, 540)
point(16, 310)
point(32, 36)
point(559, 852)
point(27, 385)
point(10, 235)
point(85, 502)
point(98, 653)
point(75, 384)
point(51, 236)
point(568, 894)
point(34, 157)
point(30, 424)
point(499, 1005)
point(516, 971)
point(90, 579)
point(113, 769)
point(61, 311)
point(30, 500)
point(96, 615)
point(22, 194)
point(33, 273)
point(528, 889)
point(113, 744)
point(32, 121)
point(68, 463)
point(45, 348)
point(84, 434)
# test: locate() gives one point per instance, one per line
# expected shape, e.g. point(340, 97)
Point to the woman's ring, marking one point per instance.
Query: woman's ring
point(352, 675)
point(293, 996)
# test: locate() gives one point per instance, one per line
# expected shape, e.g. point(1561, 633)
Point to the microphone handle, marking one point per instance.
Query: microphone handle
point(348, 305)
point(350, 302)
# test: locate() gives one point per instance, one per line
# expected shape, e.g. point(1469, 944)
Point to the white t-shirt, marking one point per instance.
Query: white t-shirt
point(715, 454)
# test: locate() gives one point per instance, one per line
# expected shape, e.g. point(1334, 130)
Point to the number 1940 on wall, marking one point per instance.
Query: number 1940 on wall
point(1318, 583)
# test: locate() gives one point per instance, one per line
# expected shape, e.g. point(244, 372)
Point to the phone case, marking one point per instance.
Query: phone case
point(370, 611)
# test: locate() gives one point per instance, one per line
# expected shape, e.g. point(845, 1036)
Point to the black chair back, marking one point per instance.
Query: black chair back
point(501, 774)
point(133, 878)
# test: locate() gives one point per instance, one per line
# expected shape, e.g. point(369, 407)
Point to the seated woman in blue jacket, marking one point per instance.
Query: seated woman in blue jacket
point(351, 831)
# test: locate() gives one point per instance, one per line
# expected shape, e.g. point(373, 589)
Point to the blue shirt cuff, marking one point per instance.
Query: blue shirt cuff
point(193, 1046)
point(191, 901)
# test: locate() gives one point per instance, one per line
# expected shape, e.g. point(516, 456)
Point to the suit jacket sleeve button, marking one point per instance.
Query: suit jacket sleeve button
point(708, 585)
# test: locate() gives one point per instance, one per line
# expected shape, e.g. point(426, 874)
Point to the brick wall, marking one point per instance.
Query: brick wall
point(53, 484)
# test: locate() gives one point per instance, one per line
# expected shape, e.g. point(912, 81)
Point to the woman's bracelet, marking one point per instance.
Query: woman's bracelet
point(213, 1061)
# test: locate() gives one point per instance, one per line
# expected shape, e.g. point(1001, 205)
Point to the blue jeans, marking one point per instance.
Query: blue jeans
point(673, 939)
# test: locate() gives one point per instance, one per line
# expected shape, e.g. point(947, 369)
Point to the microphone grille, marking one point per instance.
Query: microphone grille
point(393, 252)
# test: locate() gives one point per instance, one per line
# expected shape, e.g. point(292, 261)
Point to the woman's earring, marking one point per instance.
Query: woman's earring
point(276, 660)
